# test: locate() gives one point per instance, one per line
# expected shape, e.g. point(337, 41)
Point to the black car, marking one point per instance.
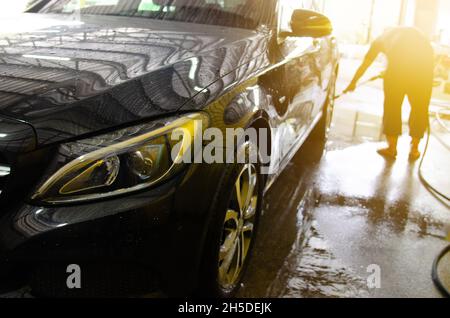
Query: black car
point(88, 97)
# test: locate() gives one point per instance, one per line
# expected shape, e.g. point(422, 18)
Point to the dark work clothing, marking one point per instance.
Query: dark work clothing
point(410, 73)
point(419, 95)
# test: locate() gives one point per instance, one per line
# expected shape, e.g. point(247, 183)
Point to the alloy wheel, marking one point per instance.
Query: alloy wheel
point(238, 227)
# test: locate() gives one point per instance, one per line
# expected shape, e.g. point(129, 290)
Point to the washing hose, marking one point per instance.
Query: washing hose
point(442, 198)
point(434, 273)
point(435, 192)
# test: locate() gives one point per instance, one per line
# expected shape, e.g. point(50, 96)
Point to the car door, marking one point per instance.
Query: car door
point(296, 82)
point(323, 67)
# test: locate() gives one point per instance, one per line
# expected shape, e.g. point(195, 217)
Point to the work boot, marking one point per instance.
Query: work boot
point(391, 151)
point(414, 154)
point(388, 153)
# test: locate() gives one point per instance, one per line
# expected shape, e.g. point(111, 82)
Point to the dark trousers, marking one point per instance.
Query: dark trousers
point(418, 91)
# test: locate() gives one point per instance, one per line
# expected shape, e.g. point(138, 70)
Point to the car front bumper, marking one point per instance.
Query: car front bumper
point(149, 240)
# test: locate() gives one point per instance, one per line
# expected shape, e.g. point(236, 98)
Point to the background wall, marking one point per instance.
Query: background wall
point(360, 21)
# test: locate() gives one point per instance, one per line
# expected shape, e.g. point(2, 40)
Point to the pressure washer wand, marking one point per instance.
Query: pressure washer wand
point(372, 79)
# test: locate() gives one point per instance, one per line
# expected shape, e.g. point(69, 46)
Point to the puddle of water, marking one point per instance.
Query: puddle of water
point(313, 271)
point(291, 258)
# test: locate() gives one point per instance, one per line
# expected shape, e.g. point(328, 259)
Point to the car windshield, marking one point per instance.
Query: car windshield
point(234, 13)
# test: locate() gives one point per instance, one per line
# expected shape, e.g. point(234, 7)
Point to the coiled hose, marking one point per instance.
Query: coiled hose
point(442, 198)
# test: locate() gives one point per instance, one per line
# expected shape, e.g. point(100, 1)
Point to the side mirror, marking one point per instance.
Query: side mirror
point(305, 23)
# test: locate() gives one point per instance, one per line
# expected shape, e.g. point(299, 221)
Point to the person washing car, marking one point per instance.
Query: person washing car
point(409, 73)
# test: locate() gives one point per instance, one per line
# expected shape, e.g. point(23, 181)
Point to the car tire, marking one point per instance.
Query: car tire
point(228, 218)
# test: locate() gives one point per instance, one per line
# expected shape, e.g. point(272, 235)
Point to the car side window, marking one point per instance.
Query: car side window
point(73, 5)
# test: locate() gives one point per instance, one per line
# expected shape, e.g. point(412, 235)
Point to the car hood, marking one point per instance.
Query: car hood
point(67, 78)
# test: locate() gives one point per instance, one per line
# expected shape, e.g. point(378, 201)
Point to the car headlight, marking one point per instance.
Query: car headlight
point(124, 161)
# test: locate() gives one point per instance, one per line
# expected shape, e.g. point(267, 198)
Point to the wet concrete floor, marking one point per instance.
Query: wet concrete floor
point(334, 215)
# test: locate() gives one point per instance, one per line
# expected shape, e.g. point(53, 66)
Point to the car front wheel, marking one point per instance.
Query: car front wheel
point(232, 230)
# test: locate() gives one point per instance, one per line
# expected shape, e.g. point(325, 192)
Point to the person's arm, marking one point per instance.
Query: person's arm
point(368, 60)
